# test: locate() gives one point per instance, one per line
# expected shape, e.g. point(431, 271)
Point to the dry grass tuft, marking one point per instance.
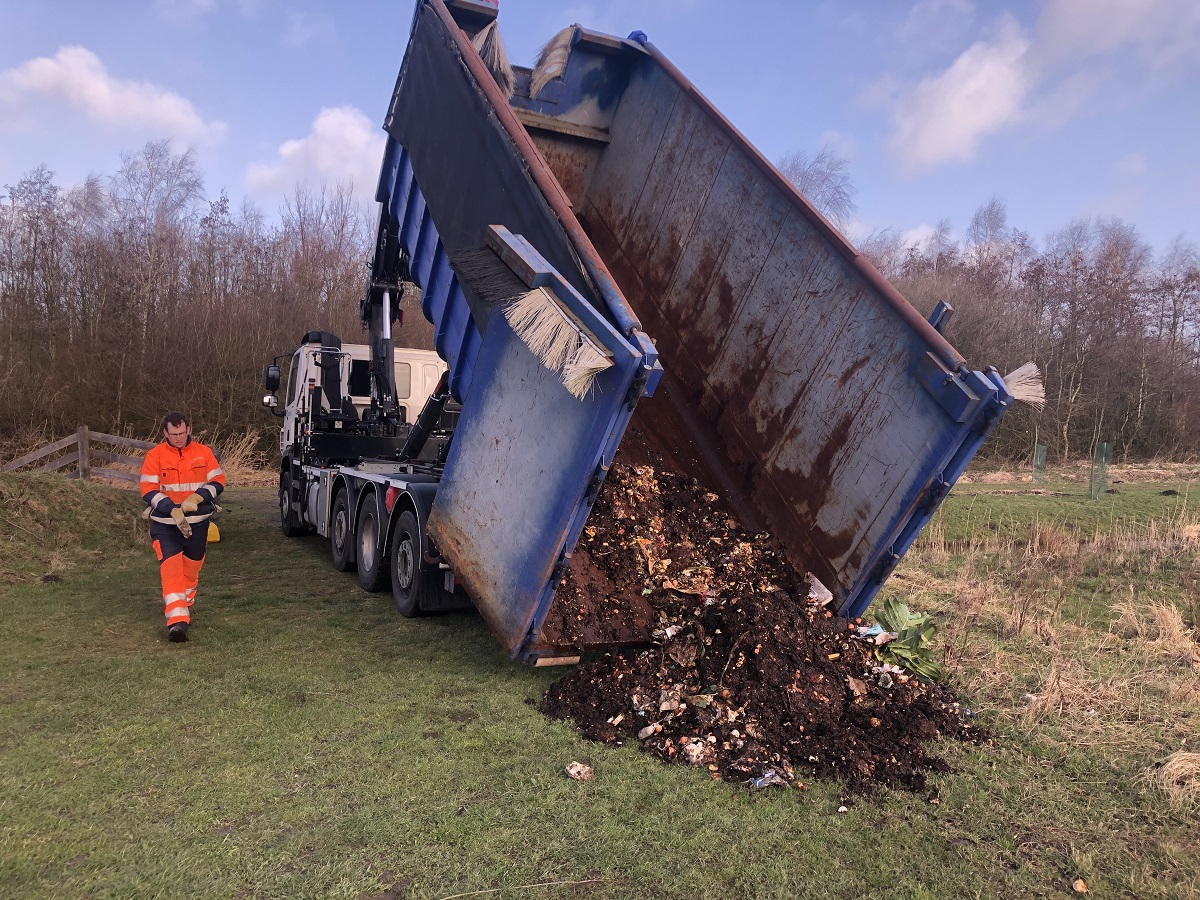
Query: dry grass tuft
point(1051, 541)
point(1069, 691)
point(1172, 636)
point(1128, 622)
point(244, 463)
point(1179, 778)
point(23, 440)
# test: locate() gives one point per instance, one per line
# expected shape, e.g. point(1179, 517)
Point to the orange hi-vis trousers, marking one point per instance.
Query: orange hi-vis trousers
point(179, 562)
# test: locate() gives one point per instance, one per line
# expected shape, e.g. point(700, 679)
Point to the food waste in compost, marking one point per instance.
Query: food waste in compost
point(745, 674)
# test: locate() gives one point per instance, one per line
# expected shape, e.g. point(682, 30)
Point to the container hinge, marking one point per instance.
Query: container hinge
point(560, 570)
point(637, 388)
point(885, 566)
point(937, 491)
point(593, 488)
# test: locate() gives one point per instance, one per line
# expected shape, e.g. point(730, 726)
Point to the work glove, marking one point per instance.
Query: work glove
point(191, 503)
point(180, 520)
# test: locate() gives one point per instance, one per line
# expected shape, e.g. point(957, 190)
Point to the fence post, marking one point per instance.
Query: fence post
point(85, 465)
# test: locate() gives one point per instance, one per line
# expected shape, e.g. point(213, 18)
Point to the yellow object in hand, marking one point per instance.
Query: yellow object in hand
point(191, 503)
point(181, 520)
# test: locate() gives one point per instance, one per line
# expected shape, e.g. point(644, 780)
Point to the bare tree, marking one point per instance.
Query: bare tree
point(825, 180)
point(102, 285)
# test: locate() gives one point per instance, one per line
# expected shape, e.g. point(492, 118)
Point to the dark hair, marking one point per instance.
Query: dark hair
point(176, 418)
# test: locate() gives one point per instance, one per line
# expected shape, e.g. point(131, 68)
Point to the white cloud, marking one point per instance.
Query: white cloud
point(75, 79)
point(1034, 77)
point(344, 145)
point(945, 116)
point(918, 236)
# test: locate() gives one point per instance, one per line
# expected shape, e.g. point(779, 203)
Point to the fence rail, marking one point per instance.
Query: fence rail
point(81, 457)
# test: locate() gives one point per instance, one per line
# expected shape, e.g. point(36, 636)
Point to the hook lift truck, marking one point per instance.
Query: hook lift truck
point(794, 380)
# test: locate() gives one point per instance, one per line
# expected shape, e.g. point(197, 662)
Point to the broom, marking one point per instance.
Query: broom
point(1025, 384)
point(552, 61)
point(491, 50)
point(557, 338)
point(560, 341)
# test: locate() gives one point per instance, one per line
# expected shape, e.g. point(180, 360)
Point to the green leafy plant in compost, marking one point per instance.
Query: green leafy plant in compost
point(912, 648)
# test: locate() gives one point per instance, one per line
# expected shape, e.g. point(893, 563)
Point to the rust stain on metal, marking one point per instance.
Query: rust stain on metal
point(571, 161)
point(852, 371)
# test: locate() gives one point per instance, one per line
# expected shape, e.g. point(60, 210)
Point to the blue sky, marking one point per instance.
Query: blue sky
point(1060, 108)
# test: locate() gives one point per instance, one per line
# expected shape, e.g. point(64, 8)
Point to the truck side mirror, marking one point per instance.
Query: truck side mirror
point(272, 379)
point(270, 401)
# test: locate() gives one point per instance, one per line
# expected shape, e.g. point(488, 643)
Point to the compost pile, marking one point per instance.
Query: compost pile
point(747, 676)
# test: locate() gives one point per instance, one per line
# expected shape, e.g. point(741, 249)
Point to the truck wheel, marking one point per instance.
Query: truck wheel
point(341, 541)
point(289, 522)
point(372, 564)
point(409, 579)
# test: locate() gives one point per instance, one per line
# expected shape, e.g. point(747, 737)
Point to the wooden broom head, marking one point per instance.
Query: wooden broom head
point(552, 61)
point(491, 50)
point(1025, 384)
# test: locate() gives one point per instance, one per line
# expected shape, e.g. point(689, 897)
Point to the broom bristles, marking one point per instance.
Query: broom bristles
point(552, 61)
point(1025, 384)
point(491, 50)
point(582, 369)
point(560, 343)
point(487, 275)
point(536, 320)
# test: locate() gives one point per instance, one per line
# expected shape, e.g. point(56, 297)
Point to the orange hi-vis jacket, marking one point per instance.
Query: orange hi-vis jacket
point(170, 476)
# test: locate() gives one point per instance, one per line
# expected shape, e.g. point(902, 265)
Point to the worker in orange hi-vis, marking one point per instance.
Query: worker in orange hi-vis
point(181, 479)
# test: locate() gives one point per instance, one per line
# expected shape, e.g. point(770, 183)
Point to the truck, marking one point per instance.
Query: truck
point(728, 324)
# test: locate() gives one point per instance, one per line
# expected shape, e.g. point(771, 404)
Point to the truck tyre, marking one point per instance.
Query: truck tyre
point(409, 579)
point(341, 540)
point(289, 522)
point(372, 562)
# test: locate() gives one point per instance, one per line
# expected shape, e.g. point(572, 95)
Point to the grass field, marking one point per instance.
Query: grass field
point(309, 742)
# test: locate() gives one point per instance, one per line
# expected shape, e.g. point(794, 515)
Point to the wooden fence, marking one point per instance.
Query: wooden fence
point(84, 455)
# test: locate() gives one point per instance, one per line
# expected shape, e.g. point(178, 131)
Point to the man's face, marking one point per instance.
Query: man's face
point(177, 435)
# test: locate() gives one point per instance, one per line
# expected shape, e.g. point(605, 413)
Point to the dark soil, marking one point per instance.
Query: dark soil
point(746, 675)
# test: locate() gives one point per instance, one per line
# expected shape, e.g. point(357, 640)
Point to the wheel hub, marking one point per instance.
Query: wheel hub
point(366, 548)
point(404, 563)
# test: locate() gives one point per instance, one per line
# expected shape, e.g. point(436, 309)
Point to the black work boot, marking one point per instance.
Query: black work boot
point(177, 633)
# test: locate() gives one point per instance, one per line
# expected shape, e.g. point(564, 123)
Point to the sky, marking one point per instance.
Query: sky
point(1061, 109)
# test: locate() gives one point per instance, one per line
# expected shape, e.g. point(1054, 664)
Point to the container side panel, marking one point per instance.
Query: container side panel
point(511, 501)
point(571, 159)
point(722, 257)
point(688, 162)
point(793, 365)
point(640, 118)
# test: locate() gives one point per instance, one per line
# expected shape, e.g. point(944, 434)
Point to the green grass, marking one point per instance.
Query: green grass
point(1007, 510)
point(310, 742)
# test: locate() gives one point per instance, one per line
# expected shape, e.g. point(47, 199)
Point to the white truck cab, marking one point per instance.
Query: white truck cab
point(417, 374)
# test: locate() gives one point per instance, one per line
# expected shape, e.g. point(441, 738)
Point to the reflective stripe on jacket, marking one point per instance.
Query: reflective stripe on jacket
point(170, 476)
